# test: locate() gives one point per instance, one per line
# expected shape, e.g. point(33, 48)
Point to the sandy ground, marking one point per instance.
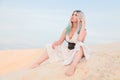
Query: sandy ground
point(104, 64)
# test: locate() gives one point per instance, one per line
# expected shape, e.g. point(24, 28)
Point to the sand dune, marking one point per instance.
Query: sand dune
point(104, 64)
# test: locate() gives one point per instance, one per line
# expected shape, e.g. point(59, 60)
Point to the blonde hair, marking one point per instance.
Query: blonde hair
point(80, 16)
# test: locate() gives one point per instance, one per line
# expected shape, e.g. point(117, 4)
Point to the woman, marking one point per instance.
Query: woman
point(74, 34)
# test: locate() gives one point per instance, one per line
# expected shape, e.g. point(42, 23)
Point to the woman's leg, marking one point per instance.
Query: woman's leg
point(42, 58)
point(72, 67)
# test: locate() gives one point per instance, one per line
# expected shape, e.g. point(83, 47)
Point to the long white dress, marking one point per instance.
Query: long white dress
point(62, 53)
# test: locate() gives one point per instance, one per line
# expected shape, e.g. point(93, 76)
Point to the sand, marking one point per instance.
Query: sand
point(104, 64)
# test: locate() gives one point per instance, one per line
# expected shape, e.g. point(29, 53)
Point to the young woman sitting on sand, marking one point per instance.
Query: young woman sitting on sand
point(71, 54)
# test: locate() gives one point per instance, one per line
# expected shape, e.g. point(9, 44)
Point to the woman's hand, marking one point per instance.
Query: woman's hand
point(60, 41)
point(55, 44)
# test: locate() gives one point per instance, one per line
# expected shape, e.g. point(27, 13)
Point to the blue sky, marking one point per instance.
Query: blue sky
point(32, 24)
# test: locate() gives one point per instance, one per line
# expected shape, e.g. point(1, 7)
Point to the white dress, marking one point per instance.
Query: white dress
point(62, 53)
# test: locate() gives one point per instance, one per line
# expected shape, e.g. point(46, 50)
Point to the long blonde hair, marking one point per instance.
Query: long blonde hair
point(80, 16)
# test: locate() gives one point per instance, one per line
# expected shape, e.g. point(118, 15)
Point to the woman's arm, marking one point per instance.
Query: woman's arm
point(82, 33)
point(62, 37)
point(60, 41)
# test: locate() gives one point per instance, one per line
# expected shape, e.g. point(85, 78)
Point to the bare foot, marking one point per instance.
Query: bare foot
point(34, 65)
point(70, 71)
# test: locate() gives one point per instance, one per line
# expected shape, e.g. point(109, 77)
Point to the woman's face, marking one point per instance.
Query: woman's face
point(74, 17)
